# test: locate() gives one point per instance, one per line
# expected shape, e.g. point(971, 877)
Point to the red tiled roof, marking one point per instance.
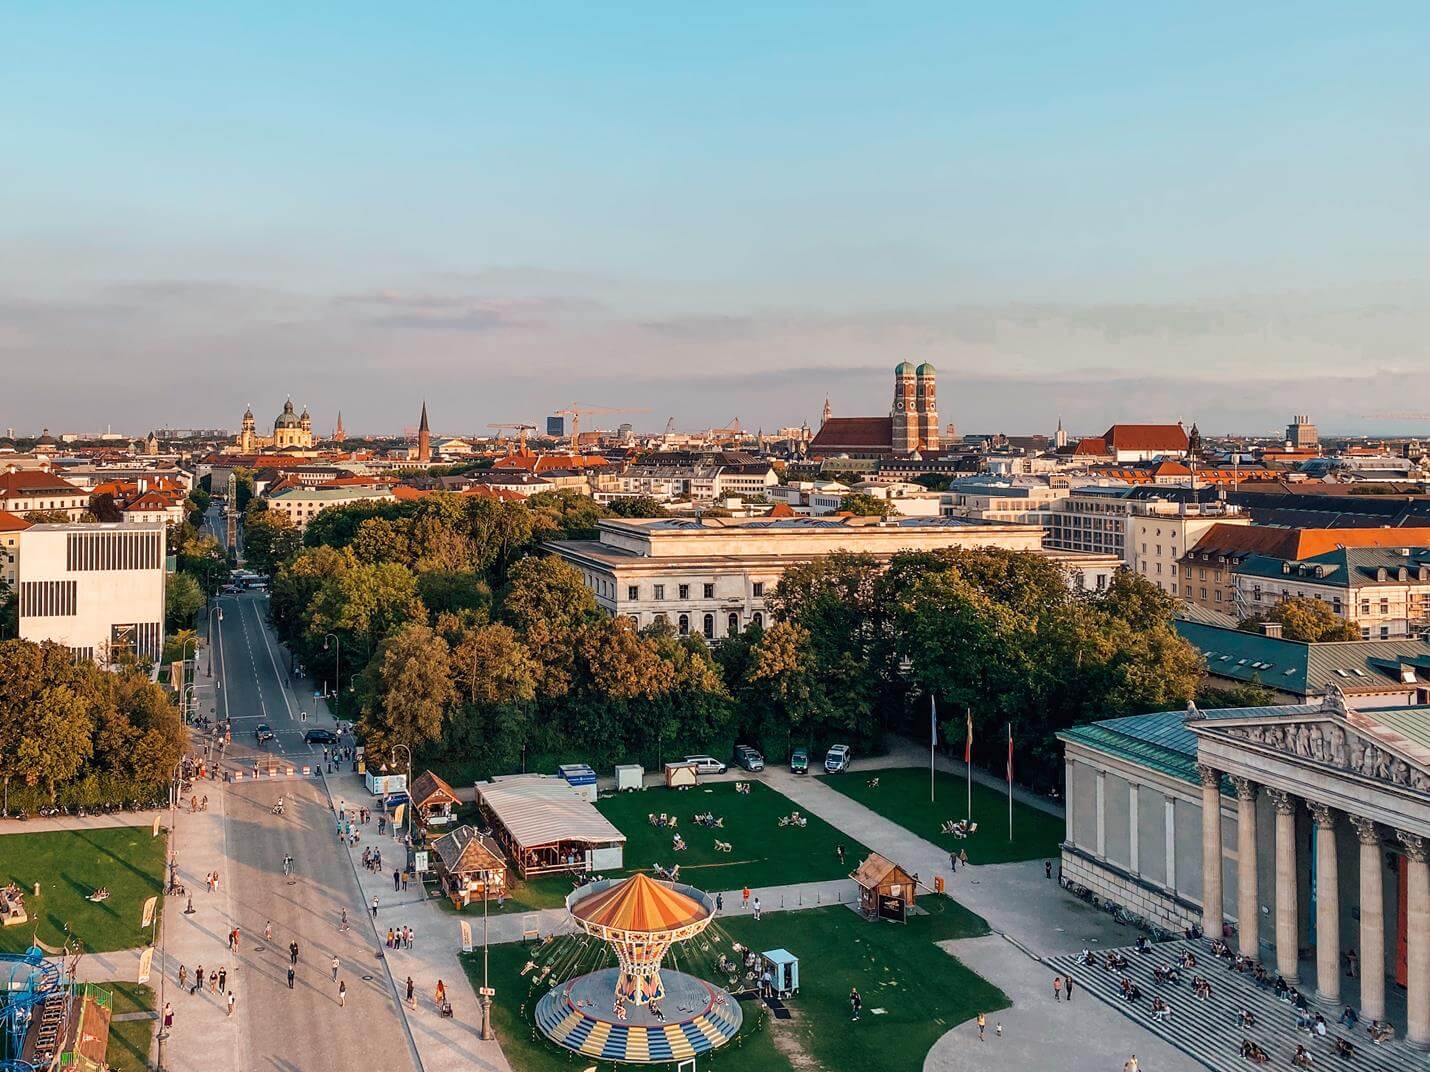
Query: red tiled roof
point(1092, 446)
point(1296, 545)
point(854, 433)
point(12, 522)
point(28, 482)
point(781, 509)
point(1146, 437)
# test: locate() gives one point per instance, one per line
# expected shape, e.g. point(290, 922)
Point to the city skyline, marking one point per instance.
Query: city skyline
point(1095, 215)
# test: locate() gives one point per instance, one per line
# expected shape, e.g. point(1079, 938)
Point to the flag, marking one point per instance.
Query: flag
point(933, 723)
point(1010, 757)
point(466, 936)
point(146, 964)
point(968, 742)
point(149, 907)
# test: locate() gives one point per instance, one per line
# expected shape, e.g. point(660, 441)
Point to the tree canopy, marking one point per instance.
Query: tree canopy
point(1305, 619)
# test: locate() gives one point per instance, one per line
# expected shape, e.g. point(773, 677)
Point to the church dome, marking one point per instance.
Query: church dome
point(904, 368)
point(924, 370)
point(287, 419)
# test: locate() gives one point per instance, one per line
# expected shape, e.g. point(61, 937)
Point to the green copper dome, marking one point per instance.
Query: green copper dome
point(924, 370)
point(904, 368)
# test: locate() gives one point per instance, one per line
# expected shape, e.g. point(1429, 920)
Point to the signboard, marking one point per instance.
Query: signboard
point(466, 937)
point(146, 962)
point(397, 815)
point(419, 861)
point(149, 907)
point(154, 832)
point(891, 908)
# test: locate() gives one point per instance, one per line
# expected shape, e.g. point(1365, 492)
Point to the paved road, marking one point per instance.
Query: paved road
point(303, 1028)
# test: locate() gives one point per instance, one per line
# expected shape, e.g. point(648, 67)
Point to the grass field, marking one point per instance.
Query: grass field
point(529, 896)
point(902, 796)
point(913, 992)
point(129, 1040)
point(70, 865)
point(763, 853)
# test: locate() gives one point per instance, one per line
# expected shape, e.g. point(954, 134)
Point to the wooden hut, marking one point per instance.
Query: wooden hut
point(433, 798)
point(469, 866)
point(885, 889)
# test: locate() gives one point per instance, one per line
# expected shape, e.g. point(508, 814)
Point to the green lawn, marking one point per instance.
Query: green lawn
point(919, 991)
point(69, 865)
point(763, 853)
point(902, 796)
point(528, 896)
point(129, 1041)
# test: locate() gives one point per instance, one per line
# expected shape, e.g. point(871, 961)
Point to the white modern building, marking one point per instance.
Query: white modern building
point(98, 589)
point(301, 505)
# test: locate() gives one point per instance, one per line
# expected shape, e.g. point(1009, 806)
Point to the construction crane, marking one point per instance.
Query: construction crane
point(521, 430)
point(669, 427)
point(576, 409)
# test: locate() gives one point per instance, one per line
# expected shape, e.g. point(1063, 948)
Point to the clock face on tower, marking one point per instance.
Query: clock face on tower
point(899, 405)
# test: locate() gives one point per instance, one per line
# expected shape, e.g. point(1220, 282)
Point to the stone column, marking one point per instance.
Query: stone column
point(1286, 925)
point(1417, 933)
point(1328, 907)
point(1211, 851)
point(1372, 921)
point(1248, 902)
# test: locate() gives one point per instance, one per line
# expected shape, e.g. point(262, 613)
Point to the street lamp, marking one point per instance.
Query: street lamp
point(485, 995)
point(337, 665)
point(188, 698)
point(212, 611)
point(174, 790)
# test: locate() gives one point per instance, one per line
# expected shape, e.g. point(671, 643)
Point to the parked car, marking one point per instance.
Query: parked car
point(320, 736)
point(837, 761)
point(799, 761)
point(749, 757)
point(707, 764)
point(264, 732)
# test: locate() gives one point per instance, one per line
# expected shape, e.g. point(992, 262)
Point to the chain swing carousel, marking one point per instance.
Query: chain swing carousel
point(635, 1011)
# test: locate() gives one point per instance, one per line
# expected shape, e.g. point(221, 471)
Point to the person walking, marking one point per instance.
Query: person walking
point(1068, 987)
point(1057, 988)
point(198, 980)
point(745, 897)
point(232, 998)
point(719, 902)
point(856, 1003)
point(268, 931)
point(213, 982)
point(168, 1015)
point(343, 994)
point(982, 1023)
point(293, 952)
point(374, 908)
point(411, 993)
point(343, 922)
point(222, 979)
point(839, 851)
point(1130, 1065)
point(953, 862)
point(1048, 868)
point(290, 977)
point(335, 967)
point(757, 909)
point(183, 976)
point(396, 880)
point(440, 995)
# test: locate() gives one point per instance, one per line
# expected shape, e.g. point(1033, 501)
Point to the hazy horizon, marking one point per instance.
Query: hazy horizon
point(1110, 214)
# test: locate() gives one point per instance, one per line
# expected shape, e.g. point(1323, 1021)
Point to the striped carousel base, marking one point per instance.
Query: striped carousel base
point(580, 1016)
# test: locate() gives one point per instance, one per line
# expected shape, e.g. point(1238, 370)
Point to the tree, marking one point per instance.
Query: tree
point(493, 668)
point(183, 599)
point(784, 676)
point(1305, 619)
point(204, 560)
point(46, 699)
point(567, 513)
point(406, 691)
point(637, 506)
point(269, 541)
point(103, 507)
point(862, 504)
point(242, 489)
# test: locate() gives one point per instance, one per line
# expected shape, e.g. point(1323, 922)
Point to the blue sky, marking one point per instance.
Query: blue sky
point(1101, 211)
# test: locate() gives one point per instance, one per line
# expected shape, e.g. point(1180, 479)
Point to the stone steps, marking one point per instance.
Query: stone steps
point(1210, 1031)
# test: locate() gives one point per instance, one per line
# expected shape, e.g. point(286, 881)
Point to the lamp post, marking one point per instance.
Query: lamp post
point(188, 698)
point(212, 611)
point(174, 789)
point(337, 666)
point(485, 994)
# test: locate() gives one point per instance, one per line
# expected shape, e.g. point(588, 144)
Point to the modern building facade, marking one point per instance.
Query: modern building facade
point(300, 505)
point(97, 589)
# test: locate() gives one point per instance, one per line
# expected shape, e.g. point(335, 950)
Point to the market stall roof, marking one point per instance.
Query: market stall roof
point(464, 850)
point(875, 871)
point(640, 904)
point(538, 810)
point(429, 789)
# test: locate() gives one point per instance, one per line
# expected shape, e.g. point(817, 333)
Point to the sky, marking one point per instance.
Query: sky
point(1100, 212)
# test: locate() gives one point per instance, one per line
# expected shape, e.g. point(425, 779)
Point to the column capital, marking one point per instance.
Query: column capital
point(1245, 787)
point(1282, 801)
point(1211, 777)
point(1413, 845)
point(1323, 814)
point(1366, 830)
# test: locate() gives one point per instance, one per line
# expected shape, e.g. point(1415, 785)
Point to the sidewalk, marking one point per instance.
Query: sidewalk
point(42, 825)
point(445, 1044)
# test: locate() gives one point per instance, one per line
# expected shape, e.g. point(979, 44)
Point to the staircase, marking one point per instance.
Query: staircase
point(1210, 1031)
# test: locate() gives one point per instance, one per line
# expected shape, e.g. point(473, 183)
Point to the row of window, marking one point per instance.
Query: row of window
point(49, 599)
point(707, 623)
point(110, 550)
point(633, 591)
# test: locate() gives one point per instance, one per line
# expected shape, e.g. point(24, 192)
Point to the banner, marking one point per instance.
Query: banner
point(146, 962)
point(149, 906)
point(466, 937)
point(397, 815)
point(155, 831)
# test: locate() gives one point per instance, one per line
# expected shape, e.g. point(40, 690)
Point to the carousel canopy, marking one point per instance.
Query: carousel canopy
point(639, 904)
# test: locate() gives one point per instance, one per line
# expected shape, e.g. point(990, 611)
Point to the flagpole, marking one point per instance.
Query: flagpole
point(1010, 781)
point(933, 738)
point(968, 763)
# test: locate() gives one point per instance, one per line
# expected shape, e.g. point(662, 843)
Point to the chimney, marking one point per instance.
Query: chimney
point(1271, 629)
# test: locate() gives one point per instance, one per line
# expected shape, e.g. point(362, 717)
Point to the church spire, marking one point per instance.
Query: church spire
point(424, 437)
point(338, 433)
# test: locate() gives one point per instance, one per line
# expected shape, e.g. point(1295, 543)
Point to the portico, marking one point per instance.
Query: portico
point(1350, 794)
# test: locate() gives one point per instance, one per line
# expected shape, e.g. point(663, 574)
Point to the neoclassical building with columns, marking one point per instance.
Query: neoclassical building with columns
point(1303, 829)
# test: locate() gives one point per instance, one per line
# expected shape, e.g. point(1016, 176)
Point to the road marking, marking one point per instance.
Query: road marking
point(277, 676)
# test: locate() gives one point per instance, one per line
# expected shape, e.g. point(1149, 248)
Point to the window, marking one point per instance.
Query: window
point(1384, 632)
point(733, 625)
point(1385, 606)
point(684, 591)
point(709, 591)
point(682, 625)
point(757, 620)
point(708, 627)
point(759, 589)
point(660, 591)
point(633, 591)
point(1365, 606)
